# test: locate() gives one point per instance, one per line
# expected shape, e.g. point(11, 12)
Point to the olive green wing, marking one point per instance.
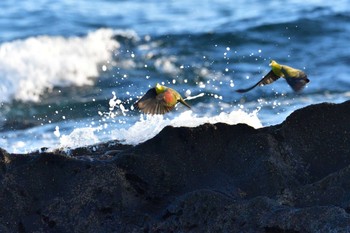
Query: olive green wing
point(267, 79)
point(151, 103)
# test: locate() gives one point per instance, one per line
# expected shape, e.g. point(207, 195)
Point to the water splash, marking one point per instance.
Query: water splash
point(149, 126)
point(79, 137)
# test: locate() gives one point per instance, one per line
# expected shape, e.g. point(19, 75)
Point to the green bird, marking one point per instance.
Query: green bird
point(159, 100)
point(297, 79)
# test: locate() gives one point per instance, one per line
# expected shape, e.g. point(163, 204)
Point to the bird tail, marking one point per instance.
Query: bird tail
point(184, 103)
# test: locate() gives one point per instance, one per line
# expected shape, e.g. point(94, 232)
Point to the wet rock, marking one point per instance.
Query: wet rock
point(292, 177)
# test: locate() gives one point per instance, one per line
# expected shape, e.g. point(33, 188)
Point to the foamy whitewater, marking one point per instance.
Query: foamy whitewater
point(35, 65)
point(143, 129)
point(149, 126)
point(71, 71)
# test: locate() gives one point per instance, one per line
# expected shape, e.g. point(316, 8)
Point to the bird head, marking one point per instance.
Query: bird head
point(273, 63)
point(275, 66)
point(160, 88)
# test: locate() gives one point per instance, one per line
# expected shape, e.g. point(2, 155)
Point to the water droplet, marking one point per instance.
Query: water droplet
point(147, 37)
point(57, 131)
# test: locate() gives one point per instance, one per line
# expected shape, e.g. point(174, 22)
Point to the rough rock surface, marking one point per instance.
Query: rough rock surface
point(292, 177)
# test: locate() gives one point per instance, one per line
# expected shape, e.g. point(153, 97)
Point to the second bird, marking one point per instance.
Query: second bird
point(159, 100)
point(297, 79)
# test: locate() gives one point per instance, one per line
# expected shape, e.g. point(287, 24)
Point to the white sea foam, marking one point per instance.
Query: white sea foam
point(34, 65)
point(149, 126)
point(79, 137)
point(167, 65)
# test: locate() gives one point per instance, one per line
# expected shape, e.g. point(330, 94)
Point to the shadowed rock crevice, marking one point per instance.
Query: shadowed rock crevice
point(292, 177)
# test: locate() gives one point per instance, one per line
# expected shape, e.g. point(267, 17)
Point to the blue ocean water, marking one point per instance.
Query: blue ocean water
point(71, 70)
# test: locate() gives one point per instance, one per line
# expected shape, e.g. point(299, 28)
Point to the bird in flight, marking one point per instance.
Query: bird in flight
point(296, 79)
point(159, 100)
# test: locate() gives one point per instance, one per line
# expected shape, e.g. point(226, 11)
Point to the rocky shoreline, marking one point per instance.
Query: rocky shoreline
point(291, 177)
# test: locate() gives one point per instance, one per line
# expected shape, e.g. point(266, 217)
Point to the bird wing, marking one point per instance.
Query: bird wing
point(297, 84)
point(296, 79)
point(151, 103)
point(267, 79)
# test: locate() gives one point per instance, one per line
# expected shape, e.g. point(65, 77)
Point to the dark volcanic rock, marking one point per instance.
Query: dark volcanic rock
point(292, 177)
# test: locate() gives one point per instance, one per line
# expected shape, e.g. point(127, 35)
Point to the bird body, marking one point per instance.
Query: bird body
point(276, 68)
point(297, 79)
point(159, 100)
